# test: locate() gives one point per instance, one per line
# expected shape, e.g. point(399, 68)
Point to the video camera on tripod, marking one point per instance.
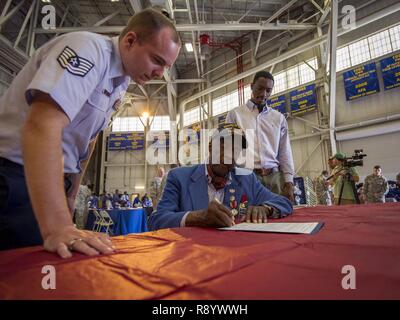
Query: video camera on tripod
point(356, 160)
point(348, 162)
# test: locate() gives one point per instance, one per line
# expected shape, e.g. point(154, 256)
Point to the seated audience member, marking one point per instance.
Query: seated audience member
point(147, 204)
point(136, 201)
point(116, 197)
point(124, 199)
point(201, 195)
point(93, 201)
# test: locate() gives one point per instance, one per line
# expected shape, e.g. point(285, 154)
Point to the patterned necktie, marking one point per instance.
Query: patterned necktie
point(217, 182)
point(260, 107)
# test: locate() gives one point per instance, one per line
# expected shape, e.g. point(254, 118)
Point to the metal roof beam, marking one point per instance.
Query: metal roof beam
point(3, 19)
point(194, 27)
point(104, 20)
point(274, 16)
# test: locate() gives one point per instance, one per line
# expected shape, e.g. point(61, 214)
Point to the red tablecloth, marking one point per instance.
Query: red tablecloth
point(194, 263)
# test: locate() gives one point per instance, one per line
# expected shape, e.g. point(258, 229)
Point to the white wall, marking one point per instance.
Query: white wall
point(381, 150)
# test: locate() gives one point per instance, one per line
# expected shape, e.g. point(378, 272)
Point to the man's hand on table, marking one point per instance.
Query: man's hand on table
point(216, 215)
point(288, 191)
point(67, 239)
point(257, 214)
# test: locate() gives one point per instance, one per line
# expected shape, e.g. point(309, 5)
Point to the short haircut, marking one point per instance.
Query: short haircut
point(377, 167)
point(324, 172)
point(263, 74)
point(149, 22)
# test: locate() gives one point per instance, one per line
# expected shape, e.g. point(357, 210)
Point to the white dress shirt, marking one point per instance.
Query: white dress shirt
point(267, 136)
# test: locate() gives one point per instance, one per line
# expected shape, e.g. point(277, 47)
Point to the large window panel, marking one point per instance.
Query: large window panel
point(306, 73)
point(379, 44)
point(395, 37)
point(232, 100)
point(127, 124)
point(359, 52)
point(160, 123)
point(247, 93)
point(293, 77)
point(280, 83)
point(225, 103)
point(217, 107)
point(343, 59)
point(191, 116)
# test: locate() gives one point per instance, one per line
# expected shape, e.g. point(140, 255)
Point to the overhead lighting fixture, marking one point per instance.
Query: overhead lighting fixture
point(189, 47)
point(114, 0)
point(46, 1)
point(145, 115)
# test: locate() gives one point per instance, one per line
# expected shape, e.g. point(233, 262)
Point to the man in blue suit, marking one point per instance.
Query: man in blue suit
point(207, 195)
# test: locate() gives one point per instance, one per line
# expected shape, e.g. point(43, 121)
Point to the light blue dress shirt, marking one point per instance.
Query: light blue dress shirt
point(83, 73)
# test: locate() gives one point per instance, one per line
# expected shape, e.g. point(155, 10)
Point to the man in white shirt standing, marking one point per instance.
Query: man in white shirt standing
point(273, 160)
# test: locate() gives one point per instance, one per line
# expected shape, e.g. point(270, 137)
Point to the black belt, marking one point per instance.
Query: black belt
point(265, 172)
point(8, 163)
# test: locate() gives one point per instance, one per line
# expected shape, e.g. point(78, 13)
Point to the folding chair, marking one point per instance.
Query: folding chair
point(106, 221)
point(97, 223)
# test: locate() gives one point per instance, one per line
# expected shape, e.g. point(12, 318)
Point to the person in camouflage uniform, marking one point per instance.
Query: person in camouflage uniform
point(322, 189)
point(375, 186)
point(348, 196)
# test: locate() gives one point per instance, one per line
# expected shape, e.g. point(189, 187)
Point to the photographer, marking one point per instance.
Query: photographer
point(345, 176)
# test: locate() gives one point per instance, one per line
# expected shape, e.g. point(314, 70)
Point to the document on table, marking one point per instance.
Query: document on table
point(281, 227)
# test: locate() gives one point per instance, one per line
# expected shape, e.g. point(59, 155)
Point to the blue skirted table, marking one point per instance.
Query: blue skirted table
point(125, 221)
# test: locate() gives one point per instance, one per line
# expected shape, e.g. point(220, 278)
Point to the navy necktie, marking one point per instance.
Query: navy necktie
point(260, 107)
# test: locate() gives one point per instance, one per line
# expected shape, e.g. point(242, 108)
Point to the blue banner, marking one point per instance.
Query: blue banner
point(303, 100)
point(222, 119)
point(126, 141)
point(391, 72)
point(135, 140)
point(278, 103)
point(361, 81)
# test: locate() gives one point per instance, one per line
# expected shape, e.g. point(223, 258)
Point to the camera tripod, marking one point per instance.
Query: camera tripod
point(348, 178)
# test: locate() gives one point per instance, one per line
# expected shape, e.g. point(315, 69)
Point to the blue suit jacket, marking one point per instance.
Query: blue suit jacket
point(187, 190)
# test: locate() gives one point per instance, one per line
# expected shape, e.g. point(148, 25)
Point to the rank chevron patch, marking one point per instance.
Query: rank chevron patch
point(69, 60)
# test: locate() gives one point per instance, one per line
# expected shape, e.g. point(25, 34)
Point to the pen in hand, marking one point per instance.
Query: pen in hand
point(219, 202)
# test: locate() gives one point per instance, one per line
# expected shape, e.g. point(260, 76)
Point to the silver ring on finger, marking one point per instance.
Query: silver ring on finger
point(72, 242)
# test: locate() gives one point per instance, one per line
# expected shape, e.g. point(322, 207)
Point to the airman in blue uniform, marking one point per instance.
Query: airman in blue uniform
point(50, 117)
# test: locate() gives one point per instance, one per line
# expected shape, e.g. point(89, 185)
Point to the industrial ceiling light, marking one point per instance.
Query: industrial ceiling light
point(189, 47)
point(145, 115)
